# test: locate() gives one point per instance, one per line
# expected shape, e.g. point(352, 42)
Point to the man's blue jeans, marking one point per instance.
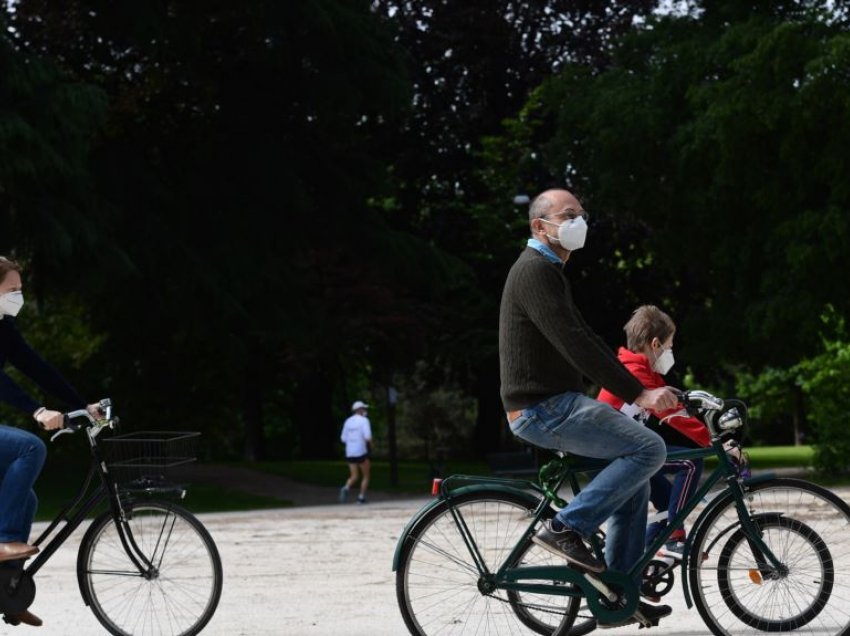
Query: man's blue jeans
point(22, 456)
point(619, 493)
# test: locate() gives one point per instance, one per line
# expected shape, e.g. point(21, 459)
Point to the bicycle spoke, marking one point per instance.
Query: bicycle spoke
point(440, 587)
point(178, 593)
point(808, 532)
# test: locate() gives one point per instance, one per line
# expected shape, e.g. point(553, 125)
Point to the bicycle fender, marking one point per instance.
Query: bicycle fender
point(441, 499)
point(721, 499)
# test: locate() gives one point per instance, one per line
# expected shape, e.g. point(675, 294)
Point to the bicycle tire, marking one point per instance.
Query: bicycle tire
point(437, 581)
point(815, 550)
point(734, 597)
point(538, 611)
point(178, 598)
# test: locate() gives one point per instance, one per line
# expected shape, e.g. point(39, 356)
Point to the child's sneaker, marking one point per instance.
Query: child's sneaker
point(343, 494)
point(361, 499)
point(673, 549)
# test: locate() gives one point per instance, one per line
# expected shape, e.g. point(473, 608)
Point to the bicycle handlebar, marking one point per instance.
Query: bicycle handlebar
point(71, 426)
point(720, 415)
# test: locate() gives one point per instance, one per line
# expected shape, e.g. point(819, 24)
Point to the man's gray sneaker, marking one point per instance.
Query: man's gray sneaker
point(569, 545)
point(343, 494)
point(647, 615)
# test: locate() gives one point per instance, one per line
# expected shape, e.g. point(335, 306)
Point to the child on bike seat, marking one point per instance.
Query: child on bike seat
point(649, 355)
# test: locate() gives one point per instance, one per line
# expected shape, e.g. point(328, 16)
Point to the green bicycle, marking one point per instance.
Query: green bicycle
point(766, 554)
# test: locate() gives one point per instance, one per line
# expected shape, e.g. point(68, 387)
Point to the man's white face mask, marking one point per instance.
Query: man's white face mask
point(11, 303)
point(571, 233)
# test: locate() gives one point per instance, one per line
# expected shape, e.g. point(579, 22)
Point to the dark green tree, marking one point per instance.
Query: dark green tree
point(245, 162)
point(472, 65)
point(711, 154)
point(48, 215)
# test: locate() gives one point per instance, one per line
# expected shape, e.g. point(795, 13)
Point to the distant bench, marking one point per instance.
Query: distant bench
point(514, 463)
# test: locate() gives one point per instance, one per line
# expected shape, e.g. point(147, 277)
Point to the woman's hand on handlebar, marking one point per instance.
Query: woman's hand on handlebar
point(660, 399)
point(54, 420)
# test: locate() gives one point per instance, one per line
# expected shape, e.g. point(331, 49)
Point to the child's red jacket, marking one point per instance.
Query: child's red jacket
point(640, 367)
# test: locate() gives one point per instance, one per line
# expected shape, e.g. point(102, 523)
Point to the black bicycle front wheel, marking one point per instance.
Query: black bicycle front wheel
point(179, 592)
point(438, 585)
point(808, 529)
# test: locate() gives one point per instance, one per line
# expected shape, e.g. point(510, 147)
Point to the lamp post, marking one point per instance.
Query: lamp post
point(392, 400)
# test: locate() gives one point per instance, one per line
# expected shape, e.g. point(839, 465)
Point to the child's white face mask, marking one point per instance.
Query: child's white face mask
point(664, 362)
point(11, 303)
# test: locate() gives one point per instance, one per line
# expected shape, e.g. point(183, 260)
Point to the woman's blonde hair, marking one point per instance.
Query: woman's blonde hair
point(6, 266)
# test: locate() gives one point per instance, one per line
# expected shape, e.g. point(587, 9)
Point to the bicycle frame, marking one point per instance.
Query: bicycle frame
point(76, 511)
point(555, 475)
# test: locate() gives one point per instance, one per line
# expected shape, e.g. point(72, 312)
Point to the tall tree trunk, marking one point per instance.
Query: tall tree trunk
point(490, 427)
point(252, 406)
point(798, 414)
point(314, 421)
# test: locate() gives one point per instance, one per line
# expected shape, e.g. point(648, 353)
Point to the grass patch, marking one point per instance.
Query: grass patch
point(206, 498)
point(60, 481)
point(764, 457)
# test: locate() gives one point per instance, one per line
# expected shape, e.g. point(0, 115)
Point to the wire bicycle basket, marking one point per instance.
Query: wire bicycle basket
point(144, 460)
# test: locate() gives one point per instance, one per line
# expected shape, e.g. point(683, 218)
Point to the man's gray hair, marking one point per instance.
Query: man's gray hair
point(540, 207)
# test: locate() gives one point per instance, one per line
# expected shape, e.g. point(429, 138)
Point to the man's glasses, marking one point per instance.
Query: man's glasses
point(569, 215)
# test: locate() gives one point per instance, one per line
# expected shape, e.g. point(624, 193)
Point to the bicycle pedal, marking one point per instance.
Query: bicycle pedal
point(643, 621)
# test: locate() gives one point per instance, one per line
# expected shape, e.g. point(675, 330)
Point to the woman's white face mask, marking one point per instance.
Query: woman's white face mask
point(571, 233)
point(11, 303)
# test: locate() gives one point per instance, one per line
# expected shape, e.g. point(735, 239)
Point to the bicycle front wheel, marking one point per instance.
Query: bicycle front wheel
point(808, 529)
point(439, 587)
point(179, 591)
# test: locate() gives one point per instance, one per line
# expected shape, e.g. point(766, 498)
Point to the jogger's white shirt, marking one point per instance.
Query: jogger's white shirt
point(355, 433)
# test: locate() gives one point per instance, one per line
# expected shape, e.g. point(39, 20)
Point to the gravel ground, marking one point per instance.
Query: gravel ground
point(321, 569)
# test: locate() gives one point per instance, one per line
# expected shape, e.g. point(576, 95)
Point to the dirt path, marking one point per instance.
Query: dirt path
point(265, 484)
point(298, 493)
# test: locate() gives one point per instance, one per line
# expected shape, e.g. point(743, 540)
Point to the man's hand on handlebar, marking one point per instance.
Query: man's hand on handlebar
point(50, 420)
point(660, 399)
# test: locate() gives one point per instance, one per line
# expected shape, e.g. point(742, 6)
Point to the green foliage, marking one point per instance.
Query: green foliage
point(824, 380)
point(434, 417)
point(62, 333)
point(47, 122)
point(301, 199)
point(712, 155)
point(770, 401)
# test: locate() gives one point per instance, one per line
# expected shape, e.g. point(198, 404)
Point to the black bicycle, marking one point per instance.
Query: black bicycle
point(146, 566)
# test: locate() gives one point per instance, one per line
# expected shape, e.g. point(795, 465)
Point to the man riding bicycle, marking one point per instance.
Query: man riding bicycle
point(545, 350)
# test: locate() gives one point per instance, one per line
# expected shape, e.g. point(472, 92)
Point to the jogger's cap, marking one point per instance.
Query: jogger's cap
point(359, 405)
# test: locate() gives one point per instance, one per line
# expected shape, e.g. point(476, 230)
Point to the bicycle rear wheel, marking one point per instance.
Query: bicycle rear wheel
point(180, 592)
point(542, 613)
point(438, 585)
point(808, 529)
